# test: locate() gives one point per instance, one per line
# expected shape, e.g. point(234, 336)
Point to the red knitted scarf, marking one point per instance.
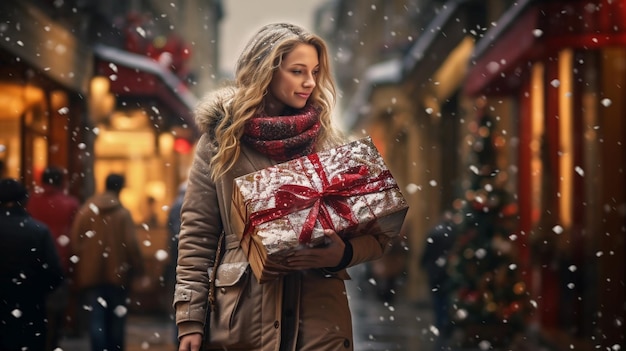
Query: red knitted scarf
point(283, 138)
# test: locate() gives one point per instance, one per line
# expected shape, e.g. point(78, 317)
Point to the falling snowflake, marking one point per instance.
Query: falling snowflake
point(63, 240)
point(412, 188)
point(461, 314)
point(493, 67)
point(16, 313)
point(102, 301)
point(481, 253)
point(580, 171)
point(94, 208)
point(161, 255)
point(120, 310)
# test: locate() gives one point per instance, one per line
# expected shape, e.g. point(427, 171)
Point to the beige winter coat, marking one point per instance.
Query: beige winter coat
point(313, 315)
point(103, 240)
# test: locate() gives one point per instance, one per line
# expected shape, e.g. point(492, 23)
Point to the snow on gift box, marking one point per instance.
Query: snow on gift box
point(286, 206)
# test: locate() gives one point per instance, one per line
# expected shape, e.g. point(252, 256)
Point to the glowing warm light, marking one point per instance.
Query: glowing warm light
point(101, 102)
point(566, 162)
point(166, 144)
point(40, 155)
point(537, 124)
point(99, 86)
point(182, 146)
point(453, 70)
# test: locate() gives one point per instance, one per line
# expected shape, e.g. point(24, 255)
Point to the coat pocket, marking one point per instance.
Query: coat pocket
point(235, 322)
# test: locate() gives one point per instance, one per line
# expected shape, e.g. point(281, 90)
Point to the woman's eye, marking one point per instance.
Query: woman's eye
point(296, 72)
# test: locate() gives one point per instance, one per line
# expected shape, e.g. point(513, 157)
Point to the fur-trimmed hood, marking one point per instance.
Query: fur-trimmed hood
point(211, 109)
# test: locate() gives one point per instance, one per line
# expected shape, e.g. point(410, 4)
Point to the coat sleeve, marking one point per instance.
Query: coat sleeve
point(368, 248)
point(200, 228)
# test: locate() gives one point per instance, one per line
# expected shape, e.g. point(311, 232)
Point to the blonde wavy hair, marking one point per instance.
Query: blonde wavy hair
point(255, 67)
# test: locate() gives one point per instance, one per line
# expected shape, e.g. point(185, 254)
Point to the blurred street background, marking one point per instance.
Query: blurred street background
point(501, 120)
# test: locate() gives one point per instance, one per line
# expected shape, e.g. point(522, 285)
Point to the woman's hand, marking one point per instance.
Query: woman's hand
point(319, 257)
point(190, 342)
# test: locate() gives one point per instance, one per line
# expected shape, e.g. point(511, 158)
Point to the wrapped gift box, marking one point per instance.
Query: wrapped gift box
point(287, 206)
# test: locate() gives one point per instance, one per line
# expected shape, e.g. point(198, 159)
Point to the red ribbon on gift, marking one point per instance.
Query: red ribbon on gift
point(293, 197)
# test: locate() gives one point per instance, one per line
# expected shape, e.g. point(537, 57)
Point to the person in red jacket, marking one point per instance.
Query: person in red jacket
point(51, 204)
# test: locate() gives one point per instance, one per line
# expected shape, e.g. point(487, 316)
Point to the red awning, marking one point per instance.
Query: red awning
point(531, 30)
point(139, 78)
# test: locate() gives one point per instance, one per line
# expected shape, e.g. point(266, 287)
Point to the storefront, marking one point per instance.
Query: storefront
point(143, 128)
point(142, 115)
point(562, 66)
point(410, 106)
point(42, 82)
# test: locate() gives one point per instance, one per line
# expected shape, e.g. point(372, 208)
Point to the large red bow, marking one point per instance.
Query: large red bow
point(292, 197)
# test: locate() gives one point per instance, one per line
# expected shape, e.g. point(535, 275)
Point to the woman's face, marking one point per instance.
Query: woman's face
point(294, 81)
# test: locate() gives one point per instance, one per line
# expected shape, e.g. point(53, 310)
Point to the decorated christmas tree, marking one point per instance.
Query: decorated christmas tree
point(488, 296)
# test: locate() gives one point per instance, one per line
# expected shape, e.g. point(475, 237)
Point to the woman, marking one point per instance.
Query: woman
point(278, 109)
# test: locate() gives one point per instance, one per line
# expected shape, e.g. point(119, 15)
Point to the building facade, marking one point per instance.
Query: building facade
point(95, 88)
point(98, 87)
point(510, 112)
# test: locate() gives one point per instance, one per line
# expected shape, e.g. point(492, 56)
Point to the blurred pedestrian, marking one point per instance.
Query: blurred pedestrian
point(30, 269)
point(439, 241)
point(104, 241)
point(389, 269)
point(150, 218)
point(51, 204)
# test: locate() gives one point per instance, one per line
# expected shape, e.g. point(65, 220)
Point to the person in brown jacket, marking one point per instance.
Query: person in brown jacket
point(106, 256)
point(278, 109)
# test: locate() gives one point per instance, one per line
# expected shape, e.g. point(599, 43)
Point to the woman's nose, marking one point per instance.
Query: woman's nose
point(309, 81)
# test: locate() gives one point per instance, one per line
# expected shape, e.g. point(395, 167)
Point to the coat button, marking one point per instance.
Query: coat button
point(223, 290)
point(276, 324)
point(346, 343)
